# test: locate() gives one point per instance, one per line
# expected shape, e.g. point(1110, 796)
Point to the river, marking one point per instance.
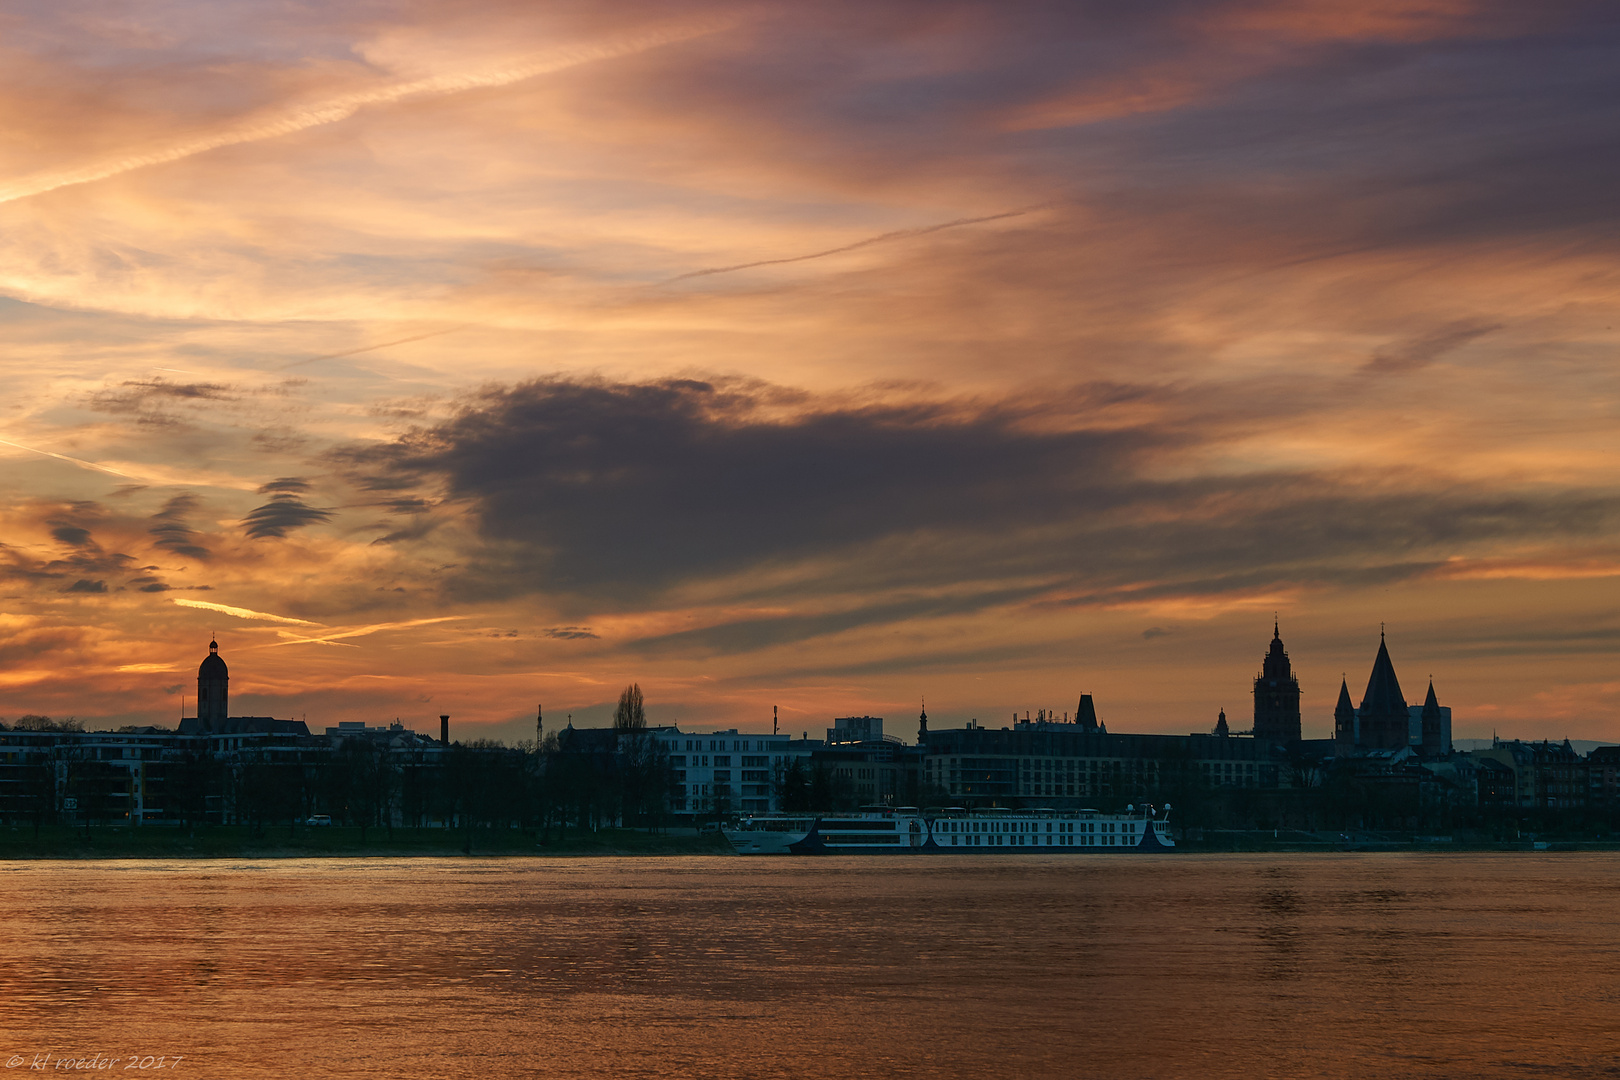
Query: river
point(1350, 965)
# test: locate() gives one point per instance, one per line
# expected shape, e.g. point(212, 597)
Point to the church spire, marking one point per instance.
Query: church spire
point(1384, 720)
point(1344, 718)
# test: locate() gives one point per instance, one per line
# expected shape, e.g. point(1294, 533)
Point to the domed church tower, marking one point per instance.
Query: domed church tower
point(1276, 696)
point(213, 691)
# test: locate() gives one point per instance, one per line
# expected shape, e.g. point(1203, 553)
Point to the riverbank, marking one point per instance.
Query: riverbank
point(1286, 840)
point(238, 841)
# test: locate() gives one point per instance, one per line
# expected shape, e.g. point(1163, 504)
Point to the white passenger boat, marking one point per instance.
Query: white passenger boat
point(872, 828)
point(1088, 831)
point(954, 829)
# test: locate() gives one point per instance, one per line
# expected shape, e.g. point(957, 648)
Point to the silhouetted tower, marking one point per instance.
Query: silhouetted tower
point(213, 691)
point(1221, 728)
point(1344, 721)
point(1434, 738)
point(1276, 695)
point(1386, 722)
point(922, 725)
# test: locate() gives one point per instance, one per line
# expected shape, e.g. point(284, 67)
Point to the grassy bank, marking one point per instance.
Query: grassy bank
point(237, 841)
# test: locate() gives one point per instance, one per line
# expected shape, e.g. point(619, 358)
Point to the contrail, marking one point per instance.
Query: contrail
point(346, 105)
point(243, 613)
point(898, 234)
point(335, 637)
point(70, 460)
point(363, 348)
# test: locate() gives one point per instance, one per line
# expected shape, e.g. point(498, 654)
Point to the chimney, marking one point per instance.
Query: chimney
point(444, 731)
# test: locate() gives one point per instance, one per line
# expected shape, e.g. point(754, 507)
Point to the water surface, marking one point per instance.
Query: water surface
point(953, 966)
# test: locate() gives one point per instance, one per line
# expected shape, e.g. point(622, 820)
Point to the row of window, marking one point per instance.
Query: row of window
point(737, 746)
point(1029, 827)
point(718, 761)
point(993, 840)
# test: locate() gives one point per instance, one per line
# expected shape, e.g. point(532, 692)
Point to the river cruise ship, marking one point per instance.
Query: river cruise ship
point(1092, 831)
point(870, 829)
point(906, 829)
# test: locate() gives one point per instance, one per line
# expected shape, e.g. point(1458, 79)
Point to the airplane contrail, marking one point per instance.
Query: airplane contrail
point(70, 460)
point(242, 613)
point(367, 348)
point(344, 106)
point(898, 234)
point(335, 638)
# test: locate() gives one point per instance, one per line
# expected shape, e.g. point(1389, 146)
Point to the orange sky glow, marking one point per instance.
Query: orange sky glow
point(459, 358)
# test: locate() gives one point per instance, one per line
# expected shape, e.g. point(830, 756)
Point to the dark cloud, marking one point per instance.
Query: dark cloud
point(72, 535)
point(620, 488)
point(84, 585)
point(616, 492)
point(285, 511)
point(566, 633)
point(149, 400)
point(171, 530)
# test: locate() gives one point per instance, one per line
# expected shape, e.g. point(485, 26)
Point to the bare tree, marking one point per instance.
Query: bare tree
point(630, 716)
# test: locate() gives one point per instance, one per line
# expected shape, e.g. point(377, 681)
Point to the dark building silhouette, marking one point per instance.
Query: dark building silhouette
point(1435, 741)
point(214, 707)
point(1346, 735)
point(1221, 727)
point(1385, 721)
point(213, 691)
point(1276, 696)
point(1086, 716)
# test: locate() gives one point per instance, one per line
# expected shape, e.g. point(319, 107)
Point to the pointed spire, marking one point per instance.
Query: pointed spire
point(1383, 688)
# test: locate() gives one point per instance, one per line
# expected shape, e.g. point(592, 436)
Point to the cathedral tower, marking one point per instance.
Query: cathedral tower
point(1435, 740)
point(1386, 723)
point(213, 691)
point(1345, 732)
point(1276, 696)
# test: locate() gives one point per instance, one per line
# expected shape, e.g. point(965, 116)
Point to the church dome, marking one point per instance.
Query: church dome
point(213, 667)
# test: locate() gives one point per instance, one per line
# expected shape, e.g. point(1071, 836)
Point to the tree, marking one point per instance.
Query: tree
point(630, 716)
point(791, 781)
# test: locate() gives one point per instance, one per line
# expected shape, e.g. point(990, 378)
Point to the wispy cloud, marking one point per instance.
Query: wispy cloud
point(340, 107)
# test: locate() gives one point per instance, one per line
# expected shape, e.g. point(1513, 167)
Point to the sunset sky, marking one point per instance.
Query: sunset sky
point(464, 357)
